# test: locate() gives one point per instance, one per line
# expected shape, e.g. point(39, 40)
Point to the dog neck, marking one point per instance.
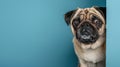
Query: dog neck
point(88, 53)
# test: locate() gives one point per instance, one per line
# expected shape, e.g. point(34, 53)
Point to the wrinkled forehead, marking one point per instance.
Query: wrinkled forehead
point(87, 12)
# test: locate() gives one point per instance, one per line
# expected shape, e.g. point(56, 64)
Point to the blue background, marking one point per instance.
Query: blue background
point(33, 33)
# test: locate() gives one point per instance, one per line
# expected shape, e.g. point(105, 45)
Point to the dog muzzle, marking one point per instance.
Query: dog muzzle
point(86, 33)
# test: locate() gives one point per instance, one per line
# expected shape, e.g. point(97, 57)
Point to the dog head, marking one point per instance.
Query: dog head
point(88, 24)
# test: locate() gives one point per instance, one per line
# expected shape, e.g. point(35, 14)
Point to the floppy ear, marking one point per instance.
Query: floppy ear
point(68, 16)
point(102, 10)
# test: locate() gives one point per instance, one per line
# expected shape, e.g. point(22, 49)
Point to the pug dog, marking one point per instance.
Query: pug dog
point(88, 26)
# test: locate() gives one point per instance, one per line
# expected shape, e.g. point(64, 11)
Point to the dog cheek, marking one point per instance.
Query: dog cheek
point(73, 31)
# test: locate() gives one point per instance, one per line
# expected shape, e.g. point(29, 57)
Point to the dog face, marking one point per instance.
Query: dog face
point(87, 25)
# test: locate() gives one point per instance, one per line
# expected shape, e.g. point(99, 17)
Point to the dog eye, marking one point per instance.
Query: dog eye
point(76, 21)
point(97, 22)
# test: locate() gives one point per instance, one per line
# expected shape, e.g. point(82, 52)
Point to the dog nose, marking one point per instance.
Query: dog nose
point(86, 28)
point(85, 31)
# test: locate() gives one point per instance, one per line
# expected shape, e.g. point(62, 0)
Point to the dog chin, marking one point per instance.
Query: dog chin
point(94, 45)
point(87, 39)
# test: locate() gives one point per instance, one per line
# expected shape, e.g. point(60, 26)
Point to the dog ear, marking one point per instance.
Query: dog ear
point(68, 15)
point(102, 10)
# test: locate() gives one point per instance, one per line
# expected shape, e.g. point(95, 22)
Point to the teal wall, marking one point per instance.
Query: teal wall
point(33, 33)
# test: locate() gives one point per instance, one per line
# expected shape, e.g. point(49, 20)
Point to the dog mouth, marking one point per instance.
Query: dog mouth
point(87, 34)
point(85, 37)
